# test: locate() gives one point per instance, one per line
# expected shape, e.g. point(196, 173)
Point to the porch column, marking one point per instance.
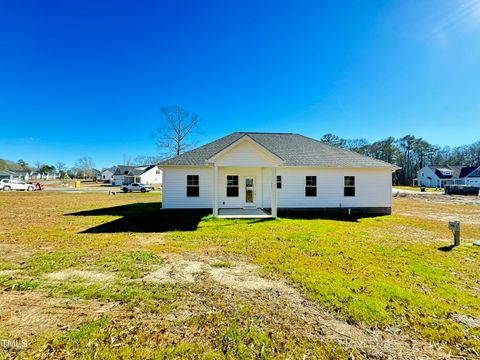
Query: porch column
point(215, 190)
point(274, 192)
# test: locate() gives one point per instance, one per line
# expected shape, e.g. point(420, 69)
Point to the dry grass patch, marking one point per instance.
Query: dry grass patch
point(28, 315)
point(80, 275)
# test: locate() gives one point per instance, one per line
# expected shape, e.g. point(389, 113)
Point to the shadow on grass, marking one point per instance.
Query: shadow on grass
point(447, 248)
point(150, 218)
point(144, 217)
point(322, 215)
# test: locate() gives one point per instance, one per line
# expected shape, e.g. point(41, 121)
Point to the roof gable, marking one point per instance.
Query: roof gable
point(470, 171)
point(140, 170)
point(245, 148)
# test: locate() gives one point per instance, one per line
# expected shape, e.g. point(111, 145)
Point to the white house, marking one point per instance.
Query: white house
point(20, 175)
point(120, 173)
point(471, 175)
point(147, 174)
point(270, 171)
point(107, 174)
point(442, 175)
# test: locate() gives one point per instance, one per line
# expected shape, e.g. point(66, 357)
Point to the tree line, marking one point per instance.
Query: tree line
point(84, 168)
point(410, 153)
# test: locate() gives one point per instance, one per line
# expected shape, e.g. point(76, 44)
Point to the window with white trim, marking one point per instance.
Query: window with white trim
point(193, 186)
point(310, 186)
point(232, 185)
point(349, 186)
point(279, 182)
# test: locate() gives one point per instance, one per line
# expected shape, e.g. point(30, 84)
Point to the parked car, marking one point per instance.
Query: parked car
point(136, 187)
point(7, 185)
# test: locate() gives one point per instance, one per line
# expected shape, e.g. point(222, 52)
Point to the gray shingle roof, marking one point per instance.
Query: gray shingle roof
point(294, 149)
point(454, 168)
point(139, 170)
point(123, 169)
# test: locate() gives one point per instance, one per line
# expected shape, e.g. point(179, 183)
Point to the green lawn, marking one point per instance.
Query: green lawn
point(382, 273)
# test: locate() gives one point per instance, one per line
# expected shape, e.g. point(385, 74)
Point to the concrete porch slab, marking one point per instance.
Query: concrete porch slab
point(243, 214)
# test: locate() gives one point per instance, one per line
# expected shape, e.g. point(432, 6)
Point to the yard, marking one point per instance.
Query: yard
point(417, 188)
point(92, 274)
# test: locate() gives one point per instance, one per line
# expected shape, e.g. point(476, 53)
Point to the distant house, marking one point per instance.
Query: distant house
point(7, 174)
point(251, 172)
point(471, 175)
point(119, 176)
point(107, 174)
point(20, 175)
point(147, 174)
point(441, 175)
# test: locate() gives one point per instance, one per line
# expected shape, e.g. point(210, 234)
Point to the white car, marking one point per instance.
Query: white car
point(136, 187)
point(7, 185)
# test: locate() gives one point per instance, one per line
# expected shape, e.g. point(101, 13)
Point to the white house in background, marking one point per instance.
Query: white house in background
point(20, 175)
point(442, 175)
point(147, 174)
point(119, 176)
point(107, 174)
point(252, 173)
point(7, 174)
point(471, 175)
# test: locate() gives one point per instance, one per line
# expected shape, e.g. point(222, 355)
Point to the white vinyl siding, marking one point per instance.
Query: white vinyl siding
point(423, 176)
point(175, 183)
point(246, 154)
point(243, 172)
point(373, 188)
point(152, 176)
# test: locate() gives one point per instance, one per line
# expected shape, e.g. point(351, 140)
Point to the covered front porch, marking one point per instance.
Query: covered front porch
point(244, 192)
point(244, 180)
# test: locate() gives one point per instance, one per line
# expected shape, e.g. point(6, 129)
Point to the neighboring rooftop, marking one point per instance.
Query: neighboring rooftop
point(123, 169)
point(139, 170)
point(294, 149)
point(467, 170)
point(447, 171)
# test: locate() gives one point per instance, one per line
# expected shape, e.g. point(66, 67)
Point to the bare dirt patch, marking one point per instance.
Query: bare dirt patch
point(30, 314)
point(239, 275)
point(177, 271)
point(82, 275)
point(466, 320)
point(283, 303)
point(441, 208)
point(441, 198)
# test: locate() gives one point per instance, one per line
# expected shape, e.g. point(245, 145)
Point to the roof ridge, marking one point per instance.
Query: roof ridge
point(263, 132)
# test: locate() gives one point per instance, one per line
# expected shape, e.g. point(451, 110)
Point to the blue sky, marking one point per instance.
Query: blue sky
point(86, 78)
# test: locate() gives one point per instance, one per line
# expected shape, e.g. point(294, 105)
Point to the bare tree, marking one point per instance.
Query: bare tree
point(126, 160)
point(84, 167)
point(61, 167)
point(147, 160)
point(173, 136)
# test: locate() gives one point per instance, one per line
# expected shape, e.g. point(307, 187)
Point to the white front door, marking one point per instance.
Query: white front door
point(249, 192)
